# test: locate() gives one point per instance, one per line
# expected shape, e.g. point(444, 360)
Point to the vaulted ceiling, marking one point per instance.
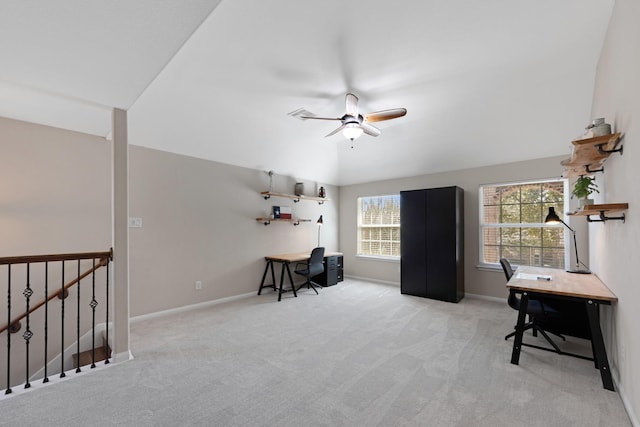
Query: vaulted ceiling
point(483, 82)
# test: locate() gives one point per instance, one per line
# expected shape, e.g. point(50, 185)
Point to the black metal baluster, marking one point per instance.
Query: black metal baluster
point(46, 320)
point(93, 306)
point(78, 322)
point(63, 297)
point(108, 349)
point(27, 335)
point(8, 389)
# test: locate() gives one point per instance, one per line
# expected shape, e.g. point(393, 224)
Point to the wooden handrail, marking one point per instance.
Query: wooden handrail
point(55, 257)
point(104, 257)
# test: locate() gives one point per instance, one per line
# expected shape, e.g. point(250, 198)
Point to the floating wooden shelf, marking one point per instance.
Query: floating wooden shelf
point(295, 198)
point(602, 211)
point(294, 221)
point(589, 154)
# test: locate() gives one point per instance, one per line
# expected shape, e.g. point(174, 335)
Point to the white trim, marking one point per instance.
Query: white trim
point(486, 298)
point(368, 279)
point(482, 225)
point(626, 402)
point(360, 226)
point(523, 182)
point(379, 258)
point(122, 357)
point(490, 267)
point(190, 307)
point(69, 375)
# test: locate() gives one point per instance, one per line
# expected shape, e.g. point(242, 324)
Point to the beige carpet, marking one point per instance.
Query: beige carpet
point(358, 354)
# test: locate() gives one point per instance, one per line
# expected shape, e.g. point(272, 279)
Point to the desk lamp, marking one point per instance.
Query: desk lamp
point(553, 218)
point(319, 222)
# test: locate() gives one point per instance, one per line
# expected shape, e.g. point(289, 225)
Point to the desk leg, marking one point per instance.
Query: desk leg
point(517, 342)
point(281, 281)
point(264, 276)
point(293, 287)
point(598, 345)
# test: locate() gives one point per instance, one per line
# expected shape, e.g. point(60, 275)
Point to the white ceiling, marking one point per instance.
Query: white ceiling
point(483, 82)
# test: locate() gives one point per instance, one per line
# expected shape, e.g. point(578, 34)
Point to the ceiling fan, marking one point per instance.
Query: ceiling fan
point(354, 124)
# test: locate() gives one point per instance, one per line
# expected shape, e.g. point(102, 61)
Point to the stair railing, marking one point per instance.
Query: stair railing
point(24, 267)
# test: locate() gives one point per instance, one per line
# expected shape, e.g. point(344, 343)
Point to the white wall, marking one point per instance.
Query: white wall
point(615, 246)
point(480, 282)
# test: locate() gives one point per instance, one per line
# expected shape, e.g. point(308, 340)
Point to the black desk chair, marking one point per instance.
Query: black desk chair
point(536, 310)
point(312, 267)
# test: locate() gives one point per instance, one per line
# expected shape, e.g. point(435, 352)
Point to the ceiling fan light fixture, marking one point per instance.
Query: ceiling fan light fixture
point(352, 131)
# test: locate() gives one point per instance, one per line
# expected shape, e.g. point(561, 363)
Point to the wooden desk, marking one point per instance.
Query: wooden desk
point(587, 288)
point(285, 260)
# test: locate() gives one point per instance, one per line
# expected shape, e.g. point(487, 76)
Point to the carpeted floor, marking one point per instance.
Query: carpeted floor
point(358, 354)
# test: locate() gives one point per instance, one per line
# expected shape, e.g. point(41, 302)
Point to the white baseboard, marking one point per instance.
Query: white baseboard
point(486, 298)
point(53, 379)
point(122, 357)
point(635, 422)
point(190, 307)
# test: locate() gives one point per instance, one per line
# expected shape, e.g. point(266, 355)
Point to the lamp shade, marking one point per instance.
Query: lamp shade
point(352, 131)
point(552, 217)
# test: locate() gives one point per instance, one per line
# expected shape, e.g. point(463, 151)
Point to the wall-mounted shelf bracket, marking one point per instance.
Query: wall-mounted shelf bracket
point(604, 218)
point(588, 155)
point(296, 198)
point(603, 151)
point(267, 221)
point(588, 170)
point(601, 211)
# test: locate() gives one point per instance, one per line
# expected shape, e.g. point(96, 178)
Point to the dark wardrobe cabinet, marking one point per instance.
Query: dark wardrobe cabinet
point(432, 243)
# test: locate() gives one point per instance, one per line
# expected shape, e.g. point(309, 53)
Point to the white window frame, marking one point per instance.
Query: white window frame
point(568, 245)
point(360, 226)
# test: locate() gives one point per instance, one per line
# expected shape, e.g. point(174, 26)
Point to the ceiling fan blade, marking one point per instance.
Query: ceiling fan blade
point(370, 129)
point(320, 118)
point(303, 114)
point(351, 102)
point(335, 131)
point(379, 116)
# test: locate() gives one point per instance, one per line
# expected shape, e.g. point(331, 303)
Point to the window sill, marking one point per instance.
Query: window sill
point(489, 267)
point(378, 258)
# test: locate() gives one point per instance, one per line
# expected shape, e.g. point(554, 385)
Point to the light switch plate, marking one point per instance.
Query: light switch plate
point(135, 222)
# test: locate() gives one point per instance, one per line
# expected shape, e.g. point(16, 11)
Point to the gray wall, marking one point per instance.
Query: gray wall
point(199, 217)
point(481, 282)
point(615, 246)
point(199, 223)
point(55, 190)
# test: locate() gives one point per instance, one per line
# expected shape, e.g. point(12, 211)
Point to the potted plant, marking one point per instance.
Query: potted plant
point(582, 189)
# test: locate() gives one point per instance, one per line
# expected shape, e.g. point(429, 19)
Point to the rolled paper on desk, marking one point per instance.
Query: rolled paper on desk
point(547, 278)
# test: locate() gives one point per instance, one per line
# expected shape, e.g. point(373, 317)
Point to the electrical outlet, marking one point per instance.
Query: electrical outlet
point(198, 285)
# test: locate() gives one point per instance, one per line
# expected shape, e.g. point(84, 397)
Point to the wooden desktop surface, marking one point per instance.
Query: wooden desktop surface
point(587, 286)
point(295, 257)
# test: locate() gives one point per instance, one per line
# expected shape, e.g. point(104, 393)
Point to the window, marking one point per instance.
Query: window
point(379, 226)
point(512, 223)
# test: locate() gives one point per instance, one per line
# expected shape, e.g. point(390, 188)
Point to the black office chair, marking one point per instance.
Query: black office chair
point(536, 309)
point(312, 267)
